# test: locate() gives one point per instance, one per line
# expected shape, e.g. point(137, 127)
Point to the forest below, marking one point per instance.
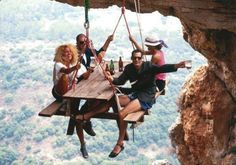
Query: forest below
point(30, 32)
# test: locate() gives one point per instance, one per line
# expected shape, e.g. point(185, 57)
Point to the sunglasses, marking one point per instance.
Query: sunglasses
point(138, 58)
point(82, 42)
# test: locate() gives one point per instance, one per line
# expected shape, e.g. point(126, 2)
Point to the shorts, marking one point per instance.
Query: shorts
point(144, 105)
point(56, 95)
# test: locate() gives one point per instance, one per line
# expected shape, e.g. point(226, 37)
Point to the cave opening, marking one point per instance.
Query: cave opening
point(40, 26)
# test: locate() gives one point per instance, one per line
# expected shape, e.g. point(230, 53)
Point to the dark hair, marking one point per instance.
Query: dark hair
point(77, 37)
point(158, 47)
point(136, 51)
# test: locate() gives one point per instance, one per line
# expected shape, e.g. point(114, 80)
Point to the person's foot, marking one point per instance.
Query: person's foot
point(116, 151)
point(88, 128)
point(84, 151)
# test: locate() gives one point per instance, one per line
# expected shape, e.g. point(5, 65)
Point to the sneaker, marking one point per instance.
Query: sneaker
point(88, 128)
point(84, 151)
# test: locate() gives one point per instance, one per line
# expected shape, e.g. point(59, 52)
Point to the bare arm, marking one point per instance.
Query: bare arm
point(104, 47)
point(131, 38)
point(106, 44)
point(69, 70)
point(156, 59)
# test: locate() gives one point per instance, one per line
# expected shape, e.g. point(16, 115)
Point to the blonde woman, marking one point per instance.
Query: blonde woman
point(66, 62)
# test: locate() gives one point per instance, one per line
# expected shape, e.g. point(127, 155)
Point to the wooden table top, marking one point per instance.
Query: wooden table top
point(95, 87)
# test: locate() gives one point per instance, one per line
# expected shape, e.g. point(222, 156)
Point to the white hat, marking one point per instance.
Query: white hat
point(151, 41)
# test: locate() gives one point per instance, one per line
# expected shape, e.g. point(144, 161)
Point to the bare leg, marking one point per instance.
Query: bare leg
point(133, 106)
point(80, 133)
point(124, 100)
point(79, 130)
point(101, 108)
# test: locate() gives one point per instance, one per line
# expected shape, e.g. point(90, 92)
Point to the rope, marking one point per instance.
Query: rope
point(137, 9)
point(86, 5)
point(117, 24)
point(74, 76)
point(133, 134)
point(75, 73)
point(86, 23)
point(86, 26)
point(89, 43)
point(126, 22)
point(99, 64)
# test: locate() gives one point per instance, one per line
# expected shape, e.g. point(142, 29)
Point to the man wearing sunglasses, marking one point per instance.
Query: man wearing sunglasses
point(142, 75)
point(81, 44)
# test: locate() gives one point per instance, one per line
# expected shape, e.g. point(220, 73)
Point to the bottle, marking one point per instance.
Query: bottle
point(112, 67)
point(107, 68)
point(120, 65)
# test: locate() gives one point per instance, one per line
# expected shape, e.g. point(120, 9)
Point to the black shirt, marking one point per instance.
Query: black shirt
point(144, 79)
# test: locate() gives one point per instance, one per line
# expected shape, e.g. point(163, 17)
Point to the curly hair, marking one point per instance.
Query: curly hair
point(60, 50)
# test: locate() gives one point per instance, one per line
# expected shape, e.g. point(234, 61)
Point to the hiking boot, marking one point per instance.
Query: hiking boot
point(84, 151)
point(88, 128)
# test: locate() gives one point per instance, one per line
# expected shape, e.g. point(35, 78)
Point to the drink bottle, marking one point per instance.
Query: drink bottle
point(112, 67)
point(120, 65)
point(107, 68)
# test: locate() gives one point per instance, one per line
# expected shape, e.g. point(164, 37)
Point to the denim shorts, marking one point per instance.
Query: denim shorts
point(144, 105)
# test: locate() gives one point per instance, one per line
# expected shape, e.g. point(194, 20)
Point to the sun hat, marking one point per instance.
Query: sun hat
point(151, 41)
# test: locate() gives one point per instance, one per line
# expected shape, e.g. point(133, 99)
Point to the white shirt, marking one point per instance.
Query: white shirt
point(82, 70)
point(57, 74)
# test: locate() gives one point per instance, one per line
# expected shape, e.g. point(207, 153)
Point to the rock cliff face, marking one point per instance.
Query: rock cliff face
point(205, 133)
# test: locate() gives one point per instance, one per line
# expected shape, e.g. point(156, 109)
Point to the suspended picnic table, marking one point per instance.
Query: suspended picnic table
point(96, 87)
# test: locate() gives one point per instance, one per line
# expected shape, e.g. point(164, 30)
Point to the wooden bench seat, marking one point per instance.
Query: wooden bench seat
point(134, 117)
point(52, 109)
point(107, 115)
point(137, 118)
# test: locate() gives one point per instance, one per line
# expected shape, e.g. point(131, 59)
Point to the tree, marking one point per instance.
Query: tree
point(7, 155)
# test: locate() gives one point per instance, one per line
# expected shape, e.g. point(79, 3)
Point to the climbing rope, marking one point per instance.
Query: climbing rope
point(126, 22)
point(86, 26)
point(137, 11)
point(86, 23)
point(75, 73)
point(89, 43)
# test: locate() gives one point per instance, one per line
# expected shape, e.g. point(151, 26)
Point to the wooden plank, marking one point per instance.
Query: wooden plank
point(95, 87)
point(107, 115)
point(134, 117)
point(51, 109)
point(138, 117)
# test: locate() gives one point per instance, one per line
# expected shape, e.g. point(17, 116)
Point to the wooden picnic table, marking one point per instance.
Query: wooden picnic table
point(96, 87)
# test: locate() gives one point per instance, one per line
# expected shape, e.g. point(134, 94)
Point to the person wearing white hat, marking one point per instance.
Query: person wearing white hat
point(154, 46)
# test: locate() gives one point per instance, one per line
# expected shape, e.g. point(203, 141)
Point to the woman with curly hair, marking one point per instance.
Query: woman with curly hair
point(66, 61)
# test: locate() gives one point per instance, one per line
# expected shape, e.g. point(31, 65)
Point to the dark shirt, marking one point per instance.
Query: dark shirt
point(144, 86)
point(88, 55)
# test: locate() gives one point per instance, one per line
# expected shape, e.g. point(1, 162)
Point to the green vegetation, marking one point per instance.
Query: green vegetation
point(30, 31)
point(7, 155)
